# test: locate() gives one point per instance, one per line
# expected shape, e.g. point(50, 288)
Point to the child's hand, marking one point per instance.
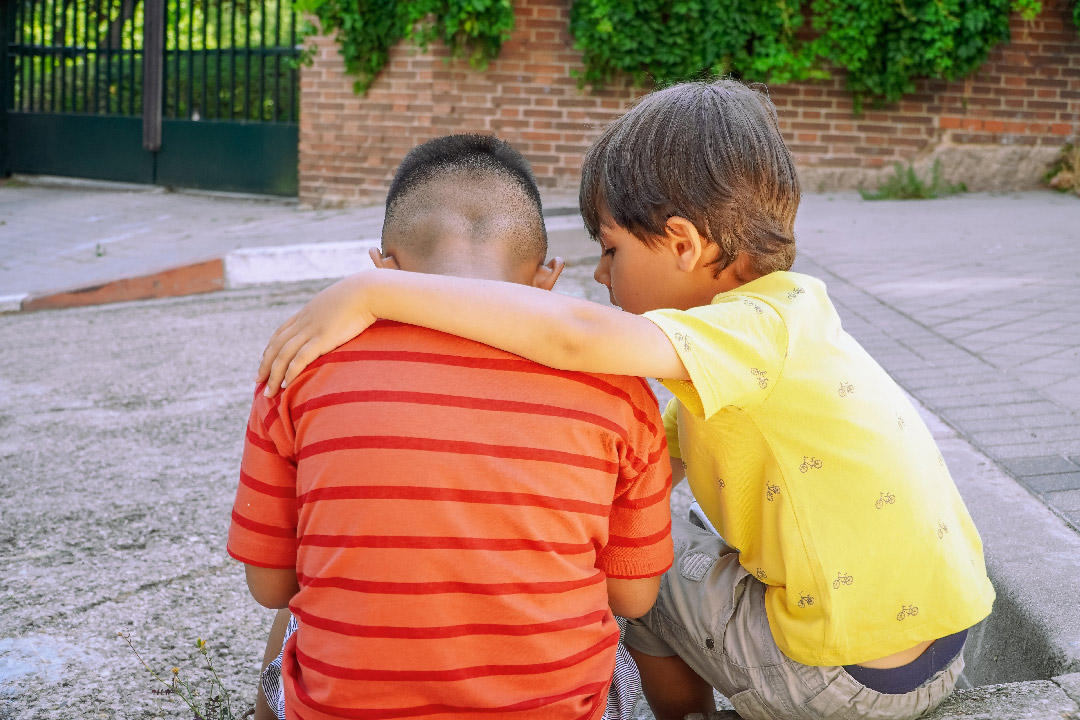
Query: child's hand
point(331, 318)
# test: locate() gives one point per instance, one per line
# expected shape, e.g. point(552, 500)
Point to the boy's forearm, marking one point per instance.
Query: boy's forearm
point(678, 471)
point(555, 330)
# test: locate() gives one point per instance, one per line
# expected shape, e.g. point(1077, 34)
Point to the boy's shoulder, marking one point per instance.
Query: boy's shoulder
point(386, 339)
point(775, 300)
point(781, 287)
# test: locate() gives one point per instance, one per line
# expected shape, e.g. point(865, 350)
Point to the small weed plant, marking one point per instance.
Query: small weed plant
point(1064, 174)
point(214, 705)
point(905, 184)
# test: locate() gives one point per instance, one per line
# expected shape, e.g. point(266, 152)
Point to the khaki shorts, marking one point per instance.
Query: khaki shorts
point(711, 612)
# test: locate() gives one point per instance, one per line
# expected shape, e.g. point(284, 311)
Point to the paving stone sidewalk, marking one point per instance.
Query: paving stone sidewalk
point(973, 304)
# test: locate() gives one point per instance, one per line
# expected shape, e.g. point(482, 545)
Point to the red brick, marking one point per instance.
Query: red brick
point(1027, 93)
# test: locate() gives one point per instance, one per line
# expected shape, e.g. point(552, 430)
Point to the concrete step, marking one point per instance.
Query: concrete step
point(1058, 698)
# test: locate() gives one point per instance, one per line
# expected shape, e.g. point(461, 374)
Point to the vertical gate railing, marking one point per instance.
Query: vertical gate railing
point(216, 60)
point(223, 60)
point(231, 60)
point(76, 56)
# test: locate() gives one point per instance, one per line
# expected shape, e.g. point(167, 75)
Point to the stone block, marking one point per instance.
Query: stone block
point(1044, 465)
point(1033, 700)
point(1053, 483)
point(1066, 501)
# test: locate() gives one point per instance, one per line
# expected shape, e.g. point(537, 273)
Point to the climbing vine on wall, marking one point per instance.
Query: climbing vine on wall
point(882, 47)
point(365, 30)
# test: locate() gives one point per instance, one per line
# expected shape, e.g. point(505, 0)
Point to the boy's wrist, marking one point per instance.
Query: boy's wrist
point(372, 289)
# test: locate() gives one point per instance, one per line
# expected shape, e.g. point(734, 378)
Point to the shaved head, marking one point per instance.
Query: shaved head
point(465, 197)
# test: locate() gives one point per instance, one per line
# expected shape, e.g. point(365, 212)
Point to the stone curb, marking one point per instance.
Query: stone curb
point(318, 261)
point(248, 267)
point(1032, 700)
point(237, 269)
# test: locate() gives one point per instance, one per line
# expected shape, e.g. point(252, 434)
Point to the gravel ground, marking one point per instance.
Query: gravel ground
point(121, 443)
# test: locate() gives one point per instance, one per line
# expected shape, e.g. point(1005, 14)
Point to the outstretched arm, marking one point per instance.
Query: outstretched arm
point(555, 330)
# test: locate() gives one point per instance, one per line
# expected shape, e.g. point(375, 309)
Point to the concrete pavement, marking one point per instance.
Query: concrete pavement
point(123, 422)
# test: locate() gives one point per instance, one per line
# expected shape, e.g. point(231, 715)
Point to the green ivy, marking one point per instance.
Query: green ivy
point(884, 47)
point(881, 46)
point(365, 30)
point(658, 41)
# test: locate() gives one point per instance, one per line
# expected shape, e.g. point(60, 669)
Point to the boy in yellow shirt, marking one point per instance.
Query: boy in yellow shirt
point(849, 569)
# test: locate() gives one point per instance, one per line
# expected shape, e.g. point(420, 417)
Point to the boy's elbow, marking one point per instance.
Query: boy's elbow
point(632, 598)
point(572, 341)
point(272, 589)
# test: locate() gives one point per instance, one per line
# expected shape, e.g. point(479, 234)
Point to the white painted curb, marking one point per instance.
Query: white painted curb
point(11, 303)
point(288, 263)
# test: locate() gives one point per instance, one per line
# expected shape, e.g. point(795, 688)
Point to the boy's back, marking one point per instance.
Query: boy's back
point(831, 485)
point(454, 525)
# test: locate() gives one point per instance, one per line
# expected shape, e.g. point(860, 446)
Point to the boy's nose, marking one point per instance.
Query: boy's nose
point(602, 274)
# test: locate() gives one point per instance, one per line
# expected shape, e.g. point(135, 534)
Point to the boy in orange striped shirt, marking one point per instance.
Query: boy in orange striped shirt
point(453, 526)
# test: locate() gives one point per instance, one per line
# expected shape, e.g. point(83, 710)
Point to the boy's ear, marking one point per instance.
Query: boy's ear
point(686, 244)
point(546, 275)
point(383, 262)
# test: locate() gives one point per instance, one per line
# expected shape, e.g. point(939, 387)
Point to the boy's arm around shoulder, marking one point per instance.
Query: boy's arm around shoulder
point(556, 330)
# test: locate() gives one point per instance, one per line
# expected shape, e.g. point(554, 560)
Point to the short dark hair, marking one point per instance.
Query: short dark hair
point(479, 157)
point(710, 152)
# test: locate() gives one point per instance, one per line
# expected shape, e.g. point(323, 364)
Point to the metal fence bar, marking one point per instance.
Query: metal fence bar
point(292, 74)
point(217, 85)
point(108, 58)
point(277, 60)
point(59, 26)
point(262, 61)
point(20, 37)
point(7, 74)
point(86, 57)
point(47, 75)
point(205, 55)
point(247, 62)
point(232, 62)
point(191, 59)
point(131, 59)
point(174, 47)
point(51, 59)
point(62, 55)
point(97, 57)
point(40, 58)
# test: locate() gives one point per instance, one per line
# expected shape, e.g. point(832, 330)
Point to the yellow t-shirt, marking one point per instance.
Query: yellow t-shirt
point(810, 460)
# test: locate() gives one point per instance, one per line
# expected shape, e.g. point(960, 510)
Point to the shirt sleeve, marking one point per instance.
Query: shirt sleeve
point(733, 350)
point(639, 536)
point(263, 527)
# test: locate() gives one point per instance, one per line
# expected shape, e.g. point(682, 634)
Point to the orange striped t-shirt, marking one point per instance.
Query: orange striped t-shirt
point(452, 512)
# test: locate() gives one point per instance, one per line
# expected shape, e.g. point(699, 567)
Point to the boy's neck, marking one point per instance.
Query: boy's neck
point(458, 257)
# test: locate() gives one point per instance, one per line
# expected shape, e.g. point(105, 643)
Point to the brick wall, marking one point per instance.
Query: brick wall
point(997, 129)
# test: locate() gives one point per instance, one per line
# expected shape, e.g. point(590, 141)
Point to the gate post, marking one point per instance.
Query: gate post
point(153, 68)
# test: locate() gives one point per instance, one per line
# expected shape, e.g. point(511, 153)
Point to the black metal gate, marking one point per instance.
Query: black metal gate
point(186, 93)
